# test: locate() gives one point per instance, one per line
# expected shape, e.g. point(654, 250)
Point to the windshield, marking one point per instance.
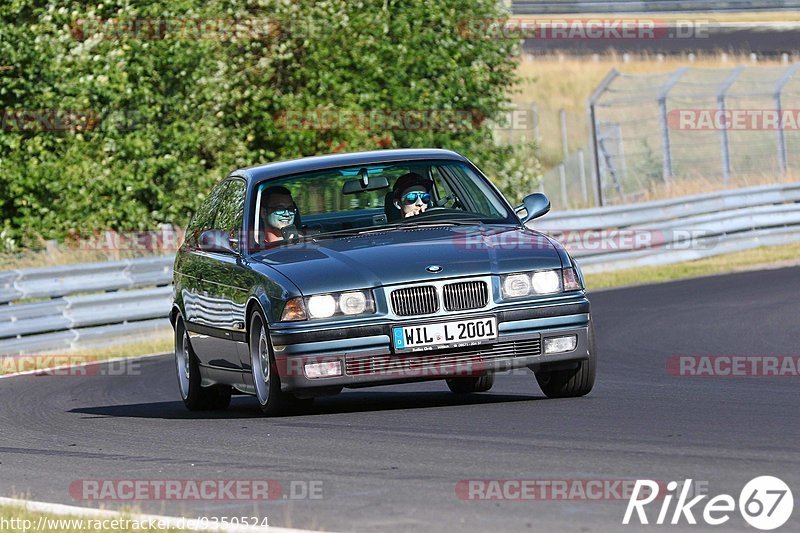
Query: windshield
point(366, 197)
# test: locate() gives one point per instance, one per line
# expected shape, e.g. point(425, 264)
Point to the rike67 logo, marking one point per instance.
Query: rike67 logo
point(765, 503)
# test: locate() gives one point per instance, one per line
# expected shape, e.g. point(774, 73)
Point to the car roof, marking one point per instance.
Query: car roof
point(309, 164)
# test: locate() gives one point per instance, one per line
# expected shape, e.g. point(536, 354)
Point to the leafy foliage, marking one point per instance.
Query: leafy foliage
point(160, 116)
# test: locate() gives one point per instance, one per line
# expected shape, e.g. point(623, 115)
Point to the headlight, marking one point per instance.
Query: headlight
point(546, 282)
point(321, 306)
point(349, 303)
point(516, 286)
point(353, 303)
point(542, 282)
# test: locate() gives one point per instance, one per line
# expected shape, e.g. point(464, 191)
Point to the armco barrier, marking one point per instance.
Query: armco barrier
point(680, 229)
point(49, 282)
point(56, 308)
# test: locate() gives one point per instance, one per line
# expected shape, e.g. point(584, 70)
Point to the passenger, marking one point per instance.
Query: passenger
point(412, 194)
point(278, 210)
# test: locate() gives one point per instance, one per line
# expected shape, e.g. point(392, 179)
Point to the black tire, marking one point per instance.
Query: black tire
point(195, 397)
point(271, 400)
point(573, 382)
point(469, 385)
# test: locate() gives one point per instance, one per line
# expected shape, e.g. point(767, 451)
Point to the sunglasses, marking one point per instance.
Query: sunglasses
point(282, 209)
point(412, 197)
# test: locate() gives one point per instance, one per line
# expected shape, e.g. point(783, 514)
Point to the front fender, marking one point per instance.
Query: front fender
point(271, 293)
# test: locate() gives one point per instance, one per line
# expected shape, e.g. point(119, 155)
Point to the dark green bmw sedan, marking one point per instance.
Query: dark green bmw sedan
point(300, 278)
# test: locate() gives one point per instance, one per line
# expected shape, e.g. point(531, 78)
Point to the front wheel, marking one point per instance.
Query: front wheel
point(195, 397)
point(470, 385)
point(573, 382)
point(265, 372)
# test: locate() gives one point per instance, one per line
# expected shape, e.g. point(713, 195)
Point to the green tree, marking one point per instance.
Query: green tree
point(167, 114)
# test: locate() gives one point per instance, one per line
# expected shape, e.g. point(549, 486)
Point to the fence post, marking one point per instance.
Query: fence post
point(782, 159)
point(596, 178)
point(666, 149)
point(623, 164)
point(591, 112)
point(582, 174)
point(564, 140)
point(601, 147)
point(535, 111)
point(726, 154)
point(562, 174)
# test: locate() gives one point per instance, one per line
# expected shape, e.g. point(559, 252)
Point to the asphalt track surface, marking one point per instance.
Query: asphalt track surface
point(390, 458)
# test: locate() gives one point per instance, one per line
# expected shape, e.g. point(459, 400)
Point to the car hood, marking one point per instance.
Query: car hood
point(401, 255)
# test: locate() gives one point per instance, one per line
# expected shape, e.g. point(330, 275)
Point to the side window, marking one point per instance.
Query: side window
point(203, 218)
point(441, 187)
point(480, 199)
point(230, 215)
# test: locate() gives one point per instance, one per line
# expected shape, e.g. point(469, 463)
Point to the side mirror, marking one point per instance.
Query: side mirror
point(535, 205)
point(217, 241)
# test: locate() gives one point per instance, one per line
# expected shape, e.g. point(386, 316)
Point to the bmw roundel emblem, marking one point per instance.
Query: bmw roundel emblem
point(434, 269)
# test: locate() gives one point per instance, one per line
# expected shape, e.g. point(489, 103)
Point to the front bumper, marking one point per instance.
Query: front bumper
point(366, 357)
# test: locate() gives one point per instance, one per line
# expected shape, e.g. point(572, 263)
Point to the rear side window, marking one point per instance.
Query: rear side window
point(230, 215)
point(203, 219)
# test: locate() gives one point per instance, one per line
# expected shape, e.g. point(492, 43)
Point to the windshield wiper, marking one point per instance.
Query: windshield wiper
point(340, 233)
point(462, 222)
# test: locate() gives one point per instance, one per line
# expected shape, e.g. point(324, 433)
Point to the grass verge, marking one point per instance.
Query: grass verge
point(755, 259)
point(58, 255)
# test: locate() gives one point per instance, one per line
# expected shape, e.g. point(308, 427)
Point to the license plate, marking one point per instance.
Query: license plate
point(455, 334)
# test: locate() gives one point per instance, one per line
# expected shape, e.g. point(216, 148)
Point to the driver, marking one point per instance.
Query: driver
point(412, 194)
point(278, 211)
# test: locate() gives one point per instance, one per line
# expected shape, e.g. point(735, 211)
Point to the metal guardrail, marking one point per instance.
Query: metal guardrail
point(672, 209)
point(649, 6)
point(62, 307)
point(680, 229)
point(67, 306)
point(50, 282)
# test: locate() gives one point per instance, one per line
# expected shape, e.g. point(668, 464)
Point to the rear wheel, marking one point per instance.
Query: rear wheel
point(195, 397)
point(470, 385)
point(572, 382)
